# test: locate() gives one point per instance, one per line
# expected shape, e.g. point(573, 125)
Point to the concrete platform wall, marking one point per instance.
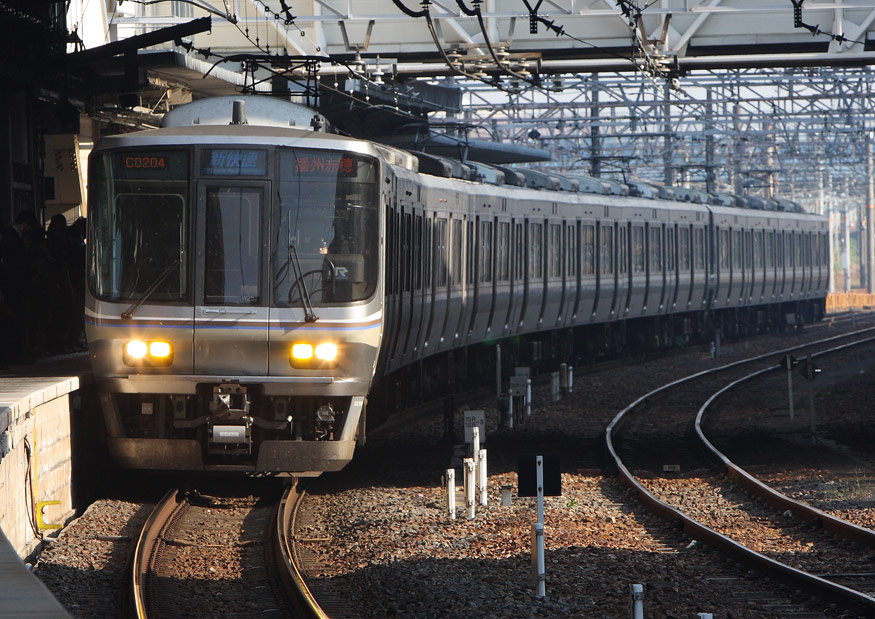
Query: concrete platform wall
point(35, 431)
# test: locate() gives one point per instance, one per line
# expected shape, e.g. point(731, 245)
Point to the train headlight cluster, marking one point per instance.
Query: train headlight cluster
point(138, 352)
point(306, 355)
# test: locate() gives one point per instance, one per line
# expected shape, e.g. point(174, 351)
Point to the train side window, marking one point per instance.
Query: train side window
point(758, 250)
point(800, 253)
point(779, 249)
point(406, 252)
point(770, 250)
point(723, 249)
point(470, 255)
point(789, 253)
point(815, 250)
point(684, 249)
point(536, 251)
point(456, 259)
point(555, 254)
point(417, 253)
point(588, 266)
point(485, 251)
point(519, 246)
point(699, 249)
point(440, 252)
point(623, 252)
point(503, 251)
point(428, 253)
point(737, 249)
point(571, 250)
point(638, 249)
point(655, 249)
point(670, 249)
point(606, 250)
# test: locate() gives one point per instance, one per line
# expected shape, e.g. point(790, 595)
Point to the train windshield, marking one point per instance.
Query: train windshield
point(139, 210)
point(326, 229)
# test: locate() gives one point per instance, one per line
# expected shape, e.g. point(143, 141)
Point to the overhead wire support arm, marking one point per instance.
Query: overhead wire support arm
point(815, 30)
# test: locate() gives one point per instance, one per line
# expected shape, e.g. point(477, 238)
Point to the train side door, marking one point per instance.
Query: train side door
point(231, 290)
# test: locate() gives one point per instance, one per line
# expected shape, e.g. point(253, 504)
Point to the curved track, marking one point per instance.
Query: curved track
point(791, 543)
point(200, 556)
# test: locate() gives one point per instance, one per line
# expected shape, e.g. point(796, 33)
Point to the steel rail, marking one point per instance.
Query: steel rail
point(292, 574)
point(767, 493)
point(700, 531)
point(144, 552)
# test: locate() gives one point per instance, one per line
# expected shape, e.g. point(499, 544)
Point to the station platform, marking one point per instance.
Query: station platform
point(37, 406)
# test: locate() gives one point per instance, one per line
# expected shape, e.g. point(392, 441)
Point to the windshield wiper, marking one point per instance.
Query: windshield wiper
point(309, 314)
point(129, 313)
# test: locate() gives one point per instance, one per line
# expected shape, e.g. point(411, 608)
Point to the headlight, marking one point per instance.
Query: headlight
point(308, 356)
point(140, 353)
point(137, 349)
point(302, 352)
point(326, 352)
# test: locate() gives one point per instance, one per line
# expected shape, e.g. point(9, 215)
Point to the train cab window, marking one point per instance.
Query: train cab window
point(485, 251)
point(327, 227)
point(684, 249)
point(555, 254)
point(606, 250)
point(638, 249)
point(699, 249)
point(139, 219)
point(456, 259)
point(588, 247)
point(232, 260)
point(503, 251)
point(441, 255)
point(536, 251)
point(655, 253)
point(571, 250)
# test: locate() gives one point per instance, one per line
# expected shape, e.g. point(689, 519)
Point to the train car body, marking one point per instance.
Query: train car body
point(251, 277)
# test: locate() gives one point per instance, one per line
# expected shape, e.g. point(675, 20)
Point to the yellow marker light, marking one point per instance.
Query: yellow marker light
point(326, 351)
point(137, 349)
point(302, 351)
point(160, 350)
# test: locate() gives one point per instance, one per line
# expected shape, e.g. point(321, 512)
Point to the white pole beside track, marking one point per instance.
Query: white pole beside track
point(482, 476)
point(539, 575)
point(555, 384)
point(538, 563)
point(451, 493)
point(637, 601)
point(470, 483)
point(570, 379)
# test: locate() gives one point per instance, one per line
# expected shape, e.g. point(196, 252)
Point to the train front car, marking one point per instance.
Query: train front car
point(235, 301)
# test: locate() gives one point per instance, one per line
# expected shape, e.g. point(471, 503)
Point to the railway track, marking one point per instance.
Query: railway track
point(219, 556)
point(650, 442)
